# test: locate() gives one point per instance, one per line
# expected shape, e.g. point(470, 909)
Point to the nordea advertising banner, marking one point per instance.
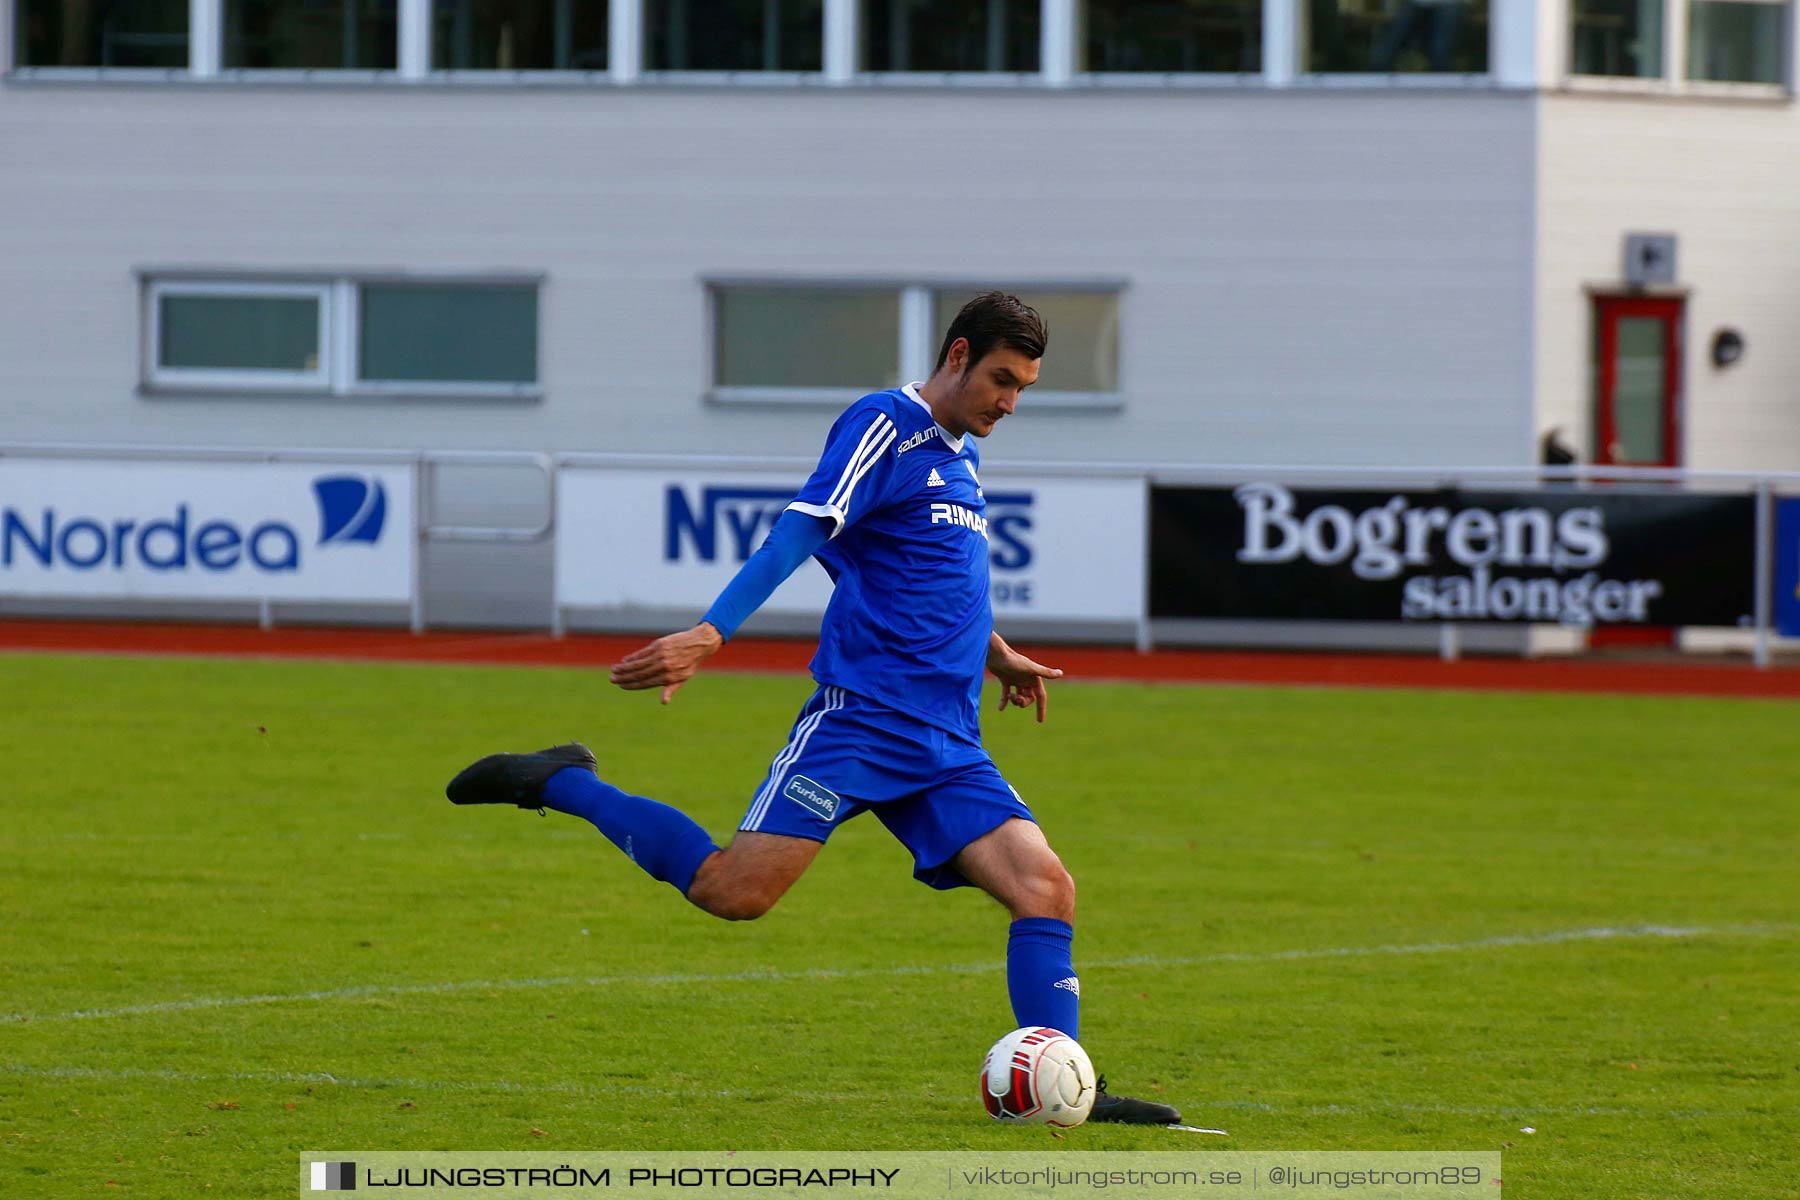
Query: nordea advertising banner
point(1599, 556)
point(206, 530)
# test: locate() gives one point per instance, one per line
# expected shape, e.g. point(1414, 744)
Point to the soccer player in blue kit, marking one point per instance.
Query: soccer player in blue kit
point(894, 514)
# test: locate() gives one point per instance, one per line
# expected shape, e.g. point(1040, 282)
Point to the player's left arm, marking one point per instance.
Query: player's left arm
point(1021, 679)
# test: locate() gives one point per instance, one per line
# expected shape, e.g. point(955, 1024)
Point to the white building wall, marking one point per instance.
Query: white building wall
point(1313, 277)
point(1724, 176)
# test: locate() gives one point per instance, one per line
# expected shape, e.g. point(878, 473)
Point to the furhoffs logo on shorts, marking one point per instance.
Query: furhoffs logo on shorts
point(815, 796)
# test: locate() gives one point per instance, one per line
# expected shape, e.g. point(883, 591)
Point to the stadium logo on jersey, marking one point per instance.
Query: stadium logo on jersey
point(934, 479)
point(744, 513)
point(916, 440)
point(816, 796)
point(334, 1177)
point(351, 508)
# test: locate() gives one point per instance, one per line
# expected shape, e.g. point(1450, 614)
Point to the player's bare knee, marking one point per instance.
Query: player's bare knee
point(1056, 891)
point(732, 903)
point(741, 907)
point(1047, 891)
point(728, 890)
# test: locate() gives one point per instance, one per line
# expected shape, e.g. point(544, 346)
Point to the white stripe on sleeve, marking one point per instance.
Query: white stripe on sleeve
point(867, 451)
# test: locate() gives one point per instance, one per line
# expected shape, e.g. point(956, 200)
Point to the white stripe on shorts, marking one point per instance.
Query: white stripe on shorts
point(834, 700)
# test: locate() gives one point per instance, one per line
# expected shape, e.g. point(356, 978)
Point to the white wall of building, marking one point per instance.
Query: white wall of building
point(1312, 277)
point(1724, 176)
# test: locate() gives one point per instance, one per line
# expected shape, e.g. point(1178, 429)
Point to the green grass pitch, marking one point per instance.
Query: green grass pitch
point(238, 920)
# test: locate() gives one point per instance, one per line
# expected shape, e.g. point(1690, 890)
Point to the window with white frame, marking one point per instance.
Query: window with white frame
point(124, 33)
point(1699, 41)
point(734, 35)
point(1173, 36)
point(805, 338)
point(240, 334)
point(1736, 41)
point(311, 34)
point(520, 35)
point(346, 336)
point(951, 35)
point(467, 334)
point(1616, 37)
point(1396, 36)
point(817, 341)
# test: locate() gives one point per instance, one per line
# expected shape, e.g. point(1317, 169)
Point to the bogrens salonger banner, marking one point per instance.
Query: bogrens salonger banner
point(1582, 557)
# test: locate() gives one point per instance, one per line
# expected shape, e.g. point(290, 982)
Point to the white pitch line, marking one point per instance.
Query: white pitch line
point(1605, 933)
point(1506, 1112)
point(559, 1087)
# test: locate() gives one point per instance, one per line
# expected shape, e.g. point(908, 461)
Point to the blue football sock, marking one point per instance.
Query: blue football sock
point(664, 841)
point(1040, 974)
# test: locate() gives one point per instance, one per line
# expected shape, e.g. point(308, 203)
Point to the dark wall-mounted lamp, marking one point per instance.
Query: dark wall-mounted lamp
point(1727, 347)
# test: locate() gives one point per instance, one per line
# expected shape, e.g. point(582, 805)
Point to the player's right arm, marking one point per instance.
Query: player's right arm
point(851, 478)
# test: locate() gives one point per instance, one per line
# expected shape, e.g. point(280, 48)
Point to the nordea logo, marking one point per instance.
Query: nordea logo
point(351, 509)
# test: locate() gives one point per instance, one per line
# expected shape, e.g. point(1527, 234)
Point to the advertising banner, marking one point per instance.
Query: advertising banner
point(1602, 556)
point(206, 530)
point(644, 538)
point(1787, 567)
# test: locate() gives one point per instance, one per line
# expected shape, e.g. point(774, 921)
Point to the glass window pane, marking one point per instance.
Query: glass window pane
point(1174, 35)
point(1734, 42)
point(735, 35)
point(794, 337)
point(1083, 351)
point(238, 333)
point(311, 34)
point(95, 33)
point(1638, 390)
point(451, 333)
point(519, 35)
point(1617, 37)
point(950, 35)
point(1382, 36)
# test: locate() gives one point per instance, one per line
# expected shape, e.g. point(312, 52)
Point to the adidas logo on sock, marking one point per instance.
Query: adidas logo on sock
point(934, 479)
point(1071, 984)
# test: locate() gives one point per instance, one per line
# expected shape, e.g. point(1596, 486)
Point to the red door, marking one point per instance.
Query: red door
point(1637, 402)
point(1637, 406)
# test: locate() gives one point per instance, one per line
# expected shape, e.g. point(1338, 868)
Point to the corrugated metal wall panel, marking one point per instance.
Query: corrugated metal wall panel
point(1322, 277)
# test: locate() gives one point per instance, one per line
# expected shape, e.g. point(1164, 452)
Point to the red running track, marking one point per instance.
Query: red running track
point(1655, 677)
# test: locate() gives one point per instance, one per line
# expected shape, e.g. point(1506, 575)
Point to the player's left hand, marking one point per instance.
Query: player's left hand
point(1021, 680)
point(668, 662)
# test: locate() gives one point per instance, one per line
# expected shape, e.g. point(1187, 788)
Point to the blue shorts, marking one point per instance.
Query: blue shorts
point(933, 790)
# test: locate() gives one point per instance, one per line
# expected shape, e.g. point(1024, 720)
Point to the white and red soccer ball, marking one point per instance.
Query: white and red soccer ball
point(1039, 1076)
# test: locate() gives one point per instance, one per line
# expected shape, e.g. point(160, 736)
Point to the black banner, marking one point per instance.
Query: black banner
point(1590, 556)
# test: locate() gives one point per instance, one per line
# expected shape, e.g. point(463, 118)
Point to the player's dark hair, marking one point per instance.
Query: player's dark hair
point(996, 319)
